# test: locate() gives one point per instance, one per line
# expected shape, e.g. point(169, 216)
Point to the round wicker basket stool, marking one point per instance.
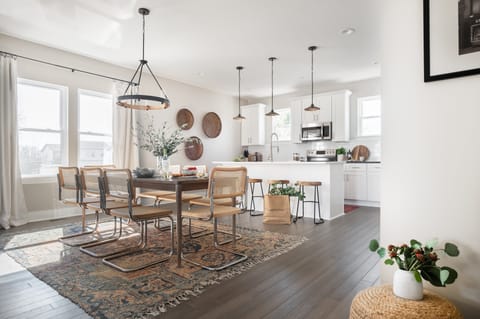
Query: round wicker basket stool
point(381, 303)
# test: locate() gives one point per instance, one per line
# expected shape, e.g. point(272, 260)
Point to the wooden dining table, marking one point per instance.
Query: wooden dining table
point(178, 185)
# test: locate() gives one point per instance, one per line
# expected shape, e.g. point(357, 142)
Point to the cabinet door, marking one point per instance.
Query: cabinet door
point(324, 102)
point(253, 126)
point(373, 180)
point(296, 107)
point(355, 185)
point(246, 127)
point(341, 117)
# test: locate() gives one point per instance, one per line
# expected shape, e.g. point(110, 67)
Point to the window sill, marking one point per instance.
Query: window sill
point(40, 179)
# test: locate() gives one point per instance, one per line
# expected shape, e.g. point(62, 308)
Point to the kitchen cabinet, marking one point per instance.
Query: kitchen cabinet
point(373, 182)
point(341, 116)
point(324, 102)
point(253, 126)
point(362, 181)
point(356, 181)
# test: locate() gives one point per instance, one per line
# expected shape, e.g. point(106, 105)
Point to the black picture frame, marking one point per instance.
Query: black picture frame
point(428, 77)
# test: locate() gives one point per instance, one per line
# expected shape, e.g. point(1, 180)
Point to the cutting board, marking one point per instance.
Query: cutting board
point(360, 150)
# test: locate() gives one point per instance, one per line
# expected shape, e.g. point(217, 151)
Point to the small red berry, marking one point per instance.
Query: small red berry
point(390, 247)
point(393, 254)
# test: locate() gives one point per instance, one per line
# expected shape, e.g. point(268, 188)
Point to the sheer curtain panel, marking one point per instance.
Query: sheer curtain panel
point(13, 209)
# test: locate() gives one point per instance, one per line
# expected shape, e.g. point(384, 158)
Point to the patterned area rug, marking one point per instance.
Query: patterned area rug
point(104, 292)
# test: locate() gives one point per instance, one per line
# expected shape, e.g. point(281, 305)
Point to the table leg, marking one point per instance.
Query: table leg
point(178, 197)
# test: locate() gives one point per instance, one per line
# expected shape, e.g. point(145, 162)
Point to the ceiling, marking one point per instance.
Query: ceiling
point(201, 42)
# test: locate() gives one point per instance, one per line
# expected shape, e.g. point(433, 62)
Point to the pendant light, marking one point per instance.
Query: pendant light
point(312, 106)
point(272, 112)
point(136, 100)
point(239, 116)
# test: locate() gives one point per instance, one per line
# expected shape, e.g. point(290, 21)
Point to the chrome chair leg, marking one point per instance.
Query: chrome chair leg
point(142, 247)
point(94, 231)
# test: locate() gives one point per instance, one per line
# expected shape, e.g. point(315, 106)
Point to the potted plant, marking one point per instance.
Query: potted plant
point(277, 204)
point(415, 262)
point(341, 152)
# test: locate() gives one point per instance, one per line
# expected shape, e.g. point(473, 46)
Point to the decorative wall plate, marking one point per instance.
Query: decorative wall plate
point(185, 119)
point(194, 148)
point(212, 124)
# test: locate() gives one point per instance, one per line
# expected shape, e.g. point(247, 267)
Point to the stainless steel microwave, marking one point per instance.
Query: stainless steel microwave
point(317, 131)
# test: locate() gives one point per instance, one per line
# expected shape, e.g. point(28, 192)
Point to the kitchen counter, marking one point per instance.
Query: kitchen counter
point(331, 174)
point(363, 162)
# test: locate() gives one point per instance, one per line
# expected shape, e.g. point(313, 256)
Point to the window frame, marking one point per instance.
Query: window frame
point(360, 116)
point(63, 131)
point(78, 133)
point(291, 124)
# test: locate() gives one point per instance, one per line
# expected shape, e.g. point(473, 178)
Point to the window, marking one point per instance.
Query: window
point(94, 128)
point(282, 124)
point(369, 116)
point(42, 114)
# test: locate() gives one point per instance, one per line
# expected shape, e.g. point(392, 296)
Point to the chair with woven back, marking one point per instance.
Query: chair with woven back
point(118, 183)
point(224, 183)
point(69, 181)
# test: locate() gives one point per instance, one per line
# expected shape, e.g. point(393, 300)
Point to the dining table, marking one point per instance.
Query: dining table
point(178, 185)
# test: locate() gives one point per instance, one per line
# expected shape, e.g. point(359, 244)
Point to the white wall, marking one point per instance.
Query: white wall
point(430, 151)
point(359, 89)
point(41, 198)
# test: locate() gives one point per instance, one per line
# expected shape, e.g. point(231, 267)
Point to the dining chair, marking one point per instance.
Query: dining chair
point(118, 183)
point(224, 183)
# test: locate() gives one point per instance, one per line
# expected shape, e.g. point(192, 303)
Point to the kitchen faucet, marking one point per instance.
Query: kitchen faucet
point(271, 145)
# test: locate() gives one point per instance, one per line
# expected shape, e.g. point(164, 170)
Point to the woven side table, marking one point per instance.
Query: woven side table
point(381, 303)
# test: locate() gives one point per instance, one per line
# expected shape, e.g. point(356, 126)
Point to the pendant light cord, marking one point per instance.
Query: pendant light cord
point(272, 59)
point(312, 76)
point(239, 90)
point(143, 39)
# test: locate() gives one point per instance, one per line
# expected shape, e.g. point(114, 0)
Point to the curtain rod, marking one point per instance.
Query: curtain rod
point(66, 67)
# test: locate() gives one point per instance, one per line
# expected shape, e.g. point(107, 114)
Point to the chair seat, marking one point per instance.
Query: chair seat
point(186, 197)
point(205, 201)
point(309, 183)
point(142, 212)
point(278, 181)
point(88, 200)
point(255, 180)
point(155, 194)
point(110, 204)
point(204, 212)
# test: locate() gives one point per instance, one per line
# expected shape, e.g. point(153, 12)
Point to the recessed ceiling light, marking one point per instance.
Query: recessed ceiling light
point(347, 31)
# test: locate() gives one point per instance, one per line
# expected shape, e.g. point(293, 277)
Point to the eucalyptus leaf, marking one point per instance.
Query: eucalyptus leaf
point(389, 262)
point(451, 276)
point(381, 252)
point(451, 250)
point(373, 246)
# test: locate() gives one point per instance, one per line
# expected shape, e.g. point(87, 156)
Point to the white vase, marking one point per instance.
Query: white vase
point(163, 166)
point(405, 285)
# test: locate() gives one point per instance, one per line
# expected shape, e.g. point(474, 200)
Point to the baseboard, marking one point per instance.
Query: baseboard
point(361, 203)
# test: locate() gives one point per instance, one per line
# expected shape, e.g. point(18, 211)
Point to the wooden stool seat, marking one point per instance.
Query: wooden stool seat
point(255, 180)
point(278, 181)
point(309, 183)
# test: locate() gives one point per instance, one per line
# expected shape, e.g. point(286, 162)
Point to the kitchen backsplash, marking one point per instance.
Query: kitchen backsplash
point(287, 149)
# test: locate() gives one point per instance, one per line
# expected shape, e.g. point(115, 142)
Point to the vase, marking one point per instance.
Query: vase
point(406, 286)
point(163, 166)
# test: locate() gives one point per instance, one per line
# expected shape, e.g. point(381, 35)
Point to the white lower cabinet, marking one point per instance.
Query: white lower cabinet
point(362, 181)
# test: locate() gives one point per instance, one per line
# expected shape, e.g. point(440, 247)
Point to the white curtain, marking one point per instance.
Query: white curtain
point(125, 151)
point(13, 209)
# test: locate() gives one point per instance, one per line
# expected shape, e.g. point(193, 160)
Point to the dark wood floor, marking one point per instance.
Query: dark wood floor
point(315, 280)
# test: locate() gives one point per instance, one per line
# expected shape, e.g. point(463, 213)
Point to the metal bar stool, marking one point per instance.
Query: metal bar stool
point(282, 182)
point(252, 182)
point(315, 201)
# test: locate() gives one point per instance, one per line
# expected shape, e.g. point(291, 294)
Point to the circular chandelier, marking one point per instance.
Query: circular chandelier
point(136, 100)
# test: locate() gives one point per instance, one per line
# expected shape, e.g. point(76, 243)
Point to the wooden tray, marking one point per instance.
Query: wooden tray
point(360, 150)
point(212, 124)
point(194, 148)
point(185, 119)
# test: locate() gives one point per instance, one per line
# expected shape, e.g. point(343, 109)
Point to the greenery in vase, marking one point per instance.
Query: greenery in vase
point(422, 261)
point(159, 141)
point(287, 190)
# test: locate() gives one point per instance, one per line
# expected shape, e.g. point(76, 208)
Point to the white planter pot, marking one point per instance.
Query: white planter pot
point(340, 157)
point(405, 285)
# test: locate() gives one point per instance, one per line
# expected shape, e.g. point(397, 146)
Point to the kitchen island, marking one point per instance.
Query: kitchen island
point(329, 173)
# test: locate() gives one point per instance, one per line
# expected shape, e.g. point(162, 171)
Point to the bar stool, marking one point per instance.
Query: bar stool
point(282, 182)
point(252, 182)
point(315, 201)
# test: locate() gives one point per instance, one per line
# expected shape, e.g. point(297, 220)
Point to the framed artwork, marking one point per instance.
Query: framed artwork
point(451, 39)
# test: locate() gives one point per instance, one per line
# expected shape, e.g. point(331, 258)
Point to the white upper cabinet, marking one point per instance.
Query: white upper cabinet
point(341, 116)
point(253, 126)
point(324, 102)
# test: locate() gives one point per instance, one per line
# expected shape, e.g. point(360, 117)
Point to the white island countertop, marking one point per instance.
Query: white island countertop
point(276, 163)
